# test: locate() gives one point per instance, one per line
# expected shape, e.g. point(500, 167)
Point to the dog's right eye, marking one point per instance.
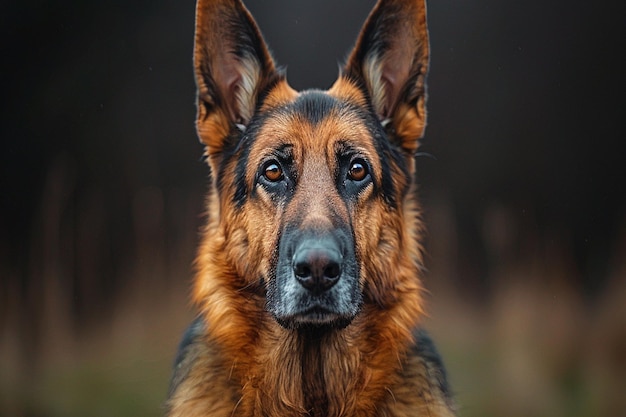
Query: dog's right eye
point(358, 170)
point(272, 171)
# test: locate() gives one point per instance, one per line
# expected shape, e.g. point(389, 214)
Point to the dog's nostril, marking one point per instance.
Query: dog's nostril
point(302, 270)
point(332, 271)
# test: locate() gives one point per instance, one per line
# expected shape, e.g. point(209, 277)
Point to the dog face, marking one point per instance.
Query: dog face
point(317, 166)
point(313, 205)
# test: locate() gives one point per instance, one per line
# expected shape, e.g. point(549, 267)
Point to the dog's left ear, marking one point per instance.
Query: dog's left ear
point(390, 60)
point(232, 67)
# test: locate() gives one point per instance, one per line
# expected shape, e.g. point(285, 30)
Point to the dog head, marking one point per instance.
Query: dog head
point(312, 209)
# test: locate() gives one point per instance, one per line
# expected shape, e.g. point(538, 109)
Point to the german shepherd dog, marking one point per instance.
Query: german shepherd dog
point(308, 275)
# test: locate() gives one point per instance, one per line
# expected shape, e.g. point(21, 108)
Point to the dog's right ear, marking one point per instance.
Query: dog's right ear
point(232, 67)
point(390, 59)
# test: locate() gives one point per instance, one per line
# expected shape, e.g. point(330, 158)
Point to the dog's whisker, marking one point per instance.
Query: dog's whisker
point(425, 154)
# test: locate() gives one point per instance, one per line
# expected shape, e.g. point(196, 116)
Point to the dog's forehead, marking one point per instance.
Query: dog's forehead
point(314, 121)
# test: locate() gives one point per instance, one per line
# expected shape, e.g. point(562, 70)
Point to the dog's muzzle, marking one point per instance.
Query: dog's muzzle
point(317, 279)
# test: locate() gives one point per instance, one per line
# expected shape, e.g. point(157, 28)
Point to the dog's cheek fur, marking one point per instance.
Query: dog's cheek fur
point(250, 243)
point(263, 235)
point(387, 248)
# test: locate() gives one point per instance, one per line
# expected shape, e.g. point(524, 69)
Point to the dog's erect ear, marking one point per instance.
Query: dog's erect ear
point(232, 67)
point(390, 60)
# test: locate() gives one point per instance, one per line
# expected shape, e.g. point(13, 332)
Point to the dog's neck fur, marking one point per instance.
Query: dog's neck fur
point(318, 372)
point(312, 365)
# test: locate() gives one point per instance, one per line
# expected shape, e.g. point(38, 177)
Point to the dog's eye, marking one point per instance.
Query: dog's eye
point(272, 171)
point(358, 170)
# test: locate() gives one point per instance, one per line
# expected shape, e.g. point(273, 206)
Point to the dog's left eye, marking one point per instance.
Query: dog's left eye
point(358, 170)
point(272, 171)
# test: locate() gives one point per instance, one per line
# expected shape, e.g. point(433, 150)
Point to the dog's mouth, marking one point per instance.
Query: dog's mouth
point(316, 316)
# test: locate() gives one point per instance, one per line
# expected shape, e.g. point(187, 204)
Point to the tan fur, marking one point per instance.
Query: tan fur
point(242, 362)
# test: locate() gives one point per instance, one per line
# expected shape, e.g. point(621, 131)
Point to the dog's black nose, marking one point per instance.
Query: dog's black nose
point(317, 264)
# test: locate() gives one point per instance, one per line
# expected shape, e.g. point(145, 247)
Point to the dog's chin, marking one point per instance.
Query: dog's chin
point(315, 318)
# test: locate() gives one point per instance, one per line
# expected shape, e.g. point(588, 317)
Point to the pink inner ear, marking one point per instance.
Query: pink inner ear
point(227, 78)
point(395, 74)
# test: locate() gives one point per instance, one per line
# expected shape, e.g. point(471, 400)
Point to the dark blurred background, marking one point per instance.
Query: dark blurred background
point(102, 197)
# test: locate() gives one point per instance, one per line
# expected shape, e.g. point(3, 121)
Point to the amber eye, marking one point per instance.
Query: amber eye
point(358, 170)
point(273, 172)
